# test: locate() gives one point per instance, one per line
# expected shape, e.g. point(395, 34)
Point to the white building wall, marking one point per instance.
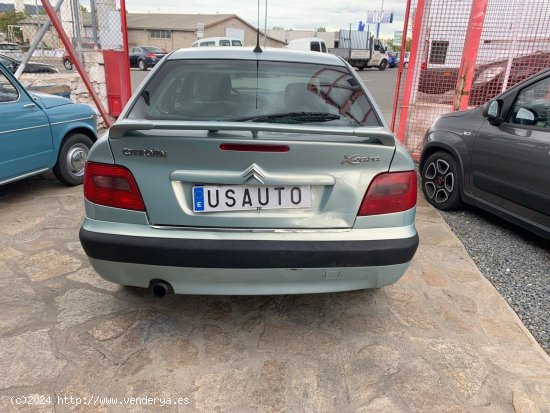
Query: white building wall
point(288, 35)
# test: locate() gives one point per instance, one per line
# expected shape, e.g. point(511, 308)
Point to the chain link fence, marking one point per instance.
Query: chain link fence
point(91, 25)
point(70, 48)
point(514, 44)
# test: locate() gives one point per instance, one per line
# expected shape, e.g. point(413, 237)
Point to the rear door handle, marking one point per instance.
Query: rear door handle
point(29, 106)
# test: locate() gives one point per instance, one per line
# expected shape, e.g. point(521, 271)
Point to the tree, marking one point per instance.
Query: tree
point(11, 18)
point(320, 29)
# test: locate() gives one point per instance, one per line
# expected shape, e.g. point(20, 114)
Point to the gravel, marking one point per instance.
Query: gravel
point(515, 261)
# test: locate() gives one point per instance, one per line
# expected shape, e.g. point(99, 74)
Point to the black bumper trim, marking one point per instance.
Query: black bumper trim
point(246, 254)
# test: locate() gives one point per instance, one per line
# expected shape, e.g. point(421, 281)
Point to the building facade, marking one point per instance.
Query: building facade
point(178, 31)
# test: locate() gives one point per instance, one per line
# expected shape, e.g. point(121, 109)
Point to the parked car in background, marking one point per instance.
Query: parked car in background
point(39, 132)
point(237, 172)
point(144, 57)
point(68, 62)
point(31, 67)
point(218, 42)
point(495, 157)
point(393, 59)
point(488, 78)
point(399, 55)
point(312, 44)
point(11, 49)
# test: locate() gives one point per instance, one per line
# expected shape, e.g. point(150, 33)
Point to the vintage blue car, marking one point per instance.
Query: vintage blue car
point(39, 132)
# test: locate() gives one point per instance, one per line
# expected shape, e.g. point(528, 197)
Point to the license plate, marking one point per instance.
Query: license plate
point(211, 198)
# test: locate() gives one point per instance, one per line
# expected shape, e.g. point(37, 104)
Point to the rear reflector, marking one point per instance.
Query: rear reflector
point(253, 148)
point(390, 192)
point(111, 185)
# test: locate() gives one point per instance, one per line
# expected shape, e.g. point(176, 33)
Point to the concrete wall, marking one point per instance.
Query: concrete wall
point(50, 39)
point(79, 93)
point(181, 39)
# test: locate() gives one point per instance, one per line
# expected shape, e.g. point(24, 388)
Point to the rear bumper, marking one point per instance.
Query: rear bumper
point(200, 253)
point(215, 281)
point(236, 263)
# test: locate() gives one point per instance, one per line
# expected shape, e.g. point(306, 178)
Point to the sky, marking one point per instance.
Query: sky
point(289, 14)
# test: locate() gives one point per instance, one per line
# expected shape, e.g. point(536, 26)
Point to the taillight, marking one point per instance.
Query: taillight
point(150, 55)
point(111, 185)
point(390, 192)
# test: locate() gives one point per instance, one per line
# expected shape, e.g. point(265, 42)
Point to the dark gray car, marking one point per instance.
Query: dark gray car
point(31, 67)
point(496, 157)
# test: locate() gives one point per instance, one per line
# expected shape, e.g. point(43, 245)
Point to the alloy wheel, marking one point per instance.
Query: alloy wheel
point(439, 181)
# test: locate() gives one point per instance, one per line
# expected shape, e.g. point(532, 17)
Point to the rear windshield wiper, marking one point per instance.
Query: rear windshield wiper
point(290, 117)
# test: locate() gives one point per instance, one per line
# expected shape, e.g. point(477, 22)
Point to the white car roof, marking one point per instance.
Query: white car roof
point(247, 53)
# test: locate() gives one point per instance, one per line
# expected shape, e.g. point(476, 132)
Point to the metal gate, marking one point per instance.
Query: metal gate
point(463, 53)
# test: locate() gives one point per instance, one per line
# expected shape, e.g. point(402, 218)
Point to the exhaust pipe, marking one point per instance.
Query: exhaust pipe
point(160, 288)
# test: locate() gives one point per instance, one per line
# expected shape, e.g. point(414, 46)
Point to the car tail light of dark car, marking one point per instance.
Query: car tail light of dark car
point(112, 186)
point(390, 192)
point(151, 55)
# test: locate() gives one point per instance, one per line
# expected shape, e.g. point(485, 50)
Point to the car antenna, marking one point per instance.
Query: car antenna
point(258, 49)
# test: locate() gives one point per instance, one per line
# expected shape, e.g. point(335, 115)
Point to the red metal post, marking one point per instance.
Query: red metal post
point(469, 54)
point(417, 26)
point(70, 49)
point(401, 64)
point(127, 83)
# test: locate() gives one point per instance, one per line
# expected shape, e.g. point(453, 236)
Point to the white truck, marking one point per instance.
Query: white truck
point(360, 49)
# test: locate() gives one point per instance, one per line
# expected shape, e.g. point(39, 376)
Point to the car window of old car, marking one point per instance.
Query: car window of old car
point(235, 89)
point(8, 92)
point(532, 106)
point(225, 43)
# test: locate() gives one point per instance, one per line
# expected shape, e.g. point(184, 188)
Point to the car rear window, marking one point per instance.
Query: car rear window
point(225, 90)
point(236, 43)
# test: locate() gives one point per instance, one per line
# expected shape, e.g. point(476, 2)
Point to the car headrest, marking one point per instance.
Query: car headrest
point(301, 94)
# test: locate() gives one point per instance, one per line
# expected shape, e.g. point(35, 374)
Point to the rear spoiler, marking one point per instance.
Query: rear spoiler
point(122, 127)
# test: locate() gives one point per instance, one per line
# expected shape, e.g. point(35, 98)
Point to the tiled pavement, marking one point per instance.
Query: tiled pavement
point(441, 339)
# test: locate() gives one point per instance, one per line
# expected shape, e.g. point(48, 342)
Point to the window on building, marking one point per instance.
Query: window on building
point(160, 34)
point(438, 51)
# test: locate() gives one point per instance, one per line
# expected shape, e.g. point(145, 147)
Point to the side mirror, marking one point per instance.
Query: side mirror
point(492, 111)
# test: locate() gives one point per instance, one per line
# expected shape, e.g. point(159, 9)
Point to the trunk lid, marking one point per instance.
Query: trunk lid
point(168, 164)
